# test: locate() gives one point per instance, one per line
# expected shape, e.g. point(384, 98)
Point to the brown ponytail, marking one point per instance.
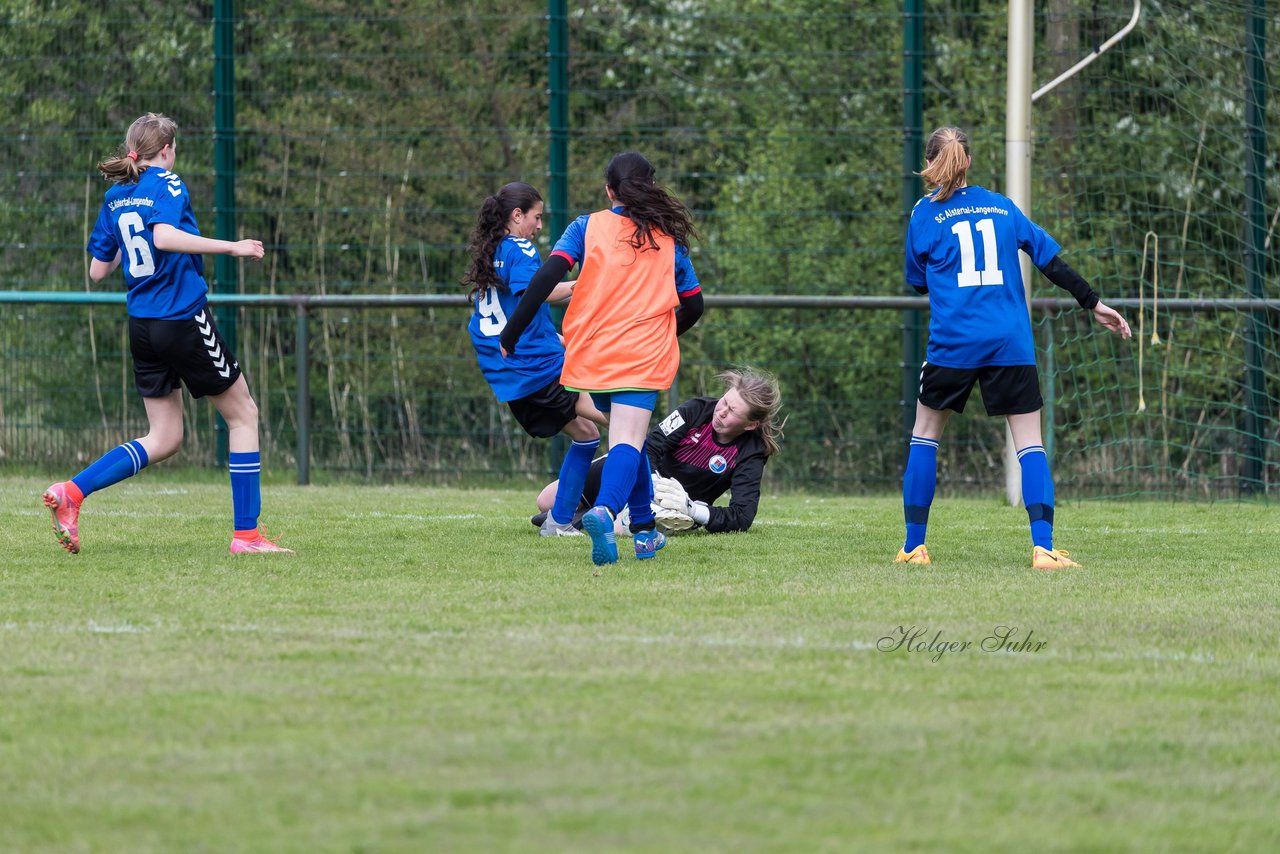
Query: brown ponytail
point(146, 136)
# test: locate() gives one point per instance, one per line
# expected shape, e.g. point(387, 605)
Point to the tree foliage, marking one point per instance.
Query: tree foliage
point(366, 138)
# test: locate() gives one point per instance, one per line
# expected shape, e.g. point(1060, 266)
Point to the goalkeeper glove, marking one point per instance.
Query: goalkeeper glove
point(669, 494)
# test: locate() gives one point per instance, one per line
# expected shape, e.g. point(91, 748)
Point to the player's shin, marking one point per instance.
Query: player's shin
point(919, 482)
point(1037, 494)
point(246, 493)
point(640, 500)
point(112, 467)
point(573, 477)
point(618, 477)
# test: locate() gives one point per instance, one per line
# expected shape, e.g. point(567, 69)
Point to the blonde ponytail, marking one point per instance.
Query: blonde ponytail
point(946, 157)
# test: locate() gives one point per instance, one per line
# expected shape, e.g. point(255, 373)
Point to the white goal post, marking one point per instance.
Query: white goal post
point(1017, 152)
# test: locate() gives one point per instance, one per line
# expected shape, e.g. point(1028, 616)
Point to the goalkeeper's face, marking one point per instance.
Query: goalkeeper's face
point(732, 417)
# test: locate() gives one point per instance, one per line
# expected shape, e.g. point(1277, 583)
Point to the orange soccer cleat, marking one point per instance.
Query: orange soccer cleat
point(62, 500)
point(256, 543)
point(1042, 558)
point(918, 555)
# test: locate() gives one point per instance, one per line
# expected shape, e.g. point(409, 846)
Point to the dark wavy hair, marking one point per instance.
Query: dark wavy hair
point(650, 206)
point(491, 227)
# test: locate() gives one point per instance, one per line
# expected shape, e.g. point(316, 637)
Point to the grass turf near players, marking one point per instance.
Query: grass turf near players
point(428, 672)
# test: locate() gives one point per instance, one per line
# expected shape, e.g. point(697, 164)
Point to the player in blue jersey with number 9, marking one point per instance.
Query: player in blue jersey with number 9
point(962, 250)
point(503, 261)
point(148, 229)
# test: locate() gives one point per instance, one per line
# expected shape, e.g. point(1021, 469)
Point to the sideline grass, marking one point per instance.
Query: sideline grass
point(428, 674)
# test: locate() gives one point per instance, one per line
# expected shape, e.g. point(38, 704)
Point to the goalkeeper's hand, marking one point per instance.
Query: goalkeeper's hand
point(669, 494)
point(667, 521)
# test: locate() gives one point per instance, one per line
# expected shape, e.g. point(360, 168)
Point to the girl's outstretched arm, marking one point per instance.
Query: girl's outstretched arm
point(170, 239)
point(540, 287)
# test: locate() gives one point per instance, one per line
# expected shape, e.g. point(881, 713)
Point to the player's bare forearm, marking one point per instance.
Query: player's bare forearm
point(170, 239)
point(562, 292)
point(99, 270)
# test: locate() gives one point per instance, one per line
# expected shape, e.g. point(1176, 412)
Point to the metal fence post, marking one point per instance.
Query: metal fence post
point(1255, 253)
point(304, 396)
point(912, 157)
point(224, 159)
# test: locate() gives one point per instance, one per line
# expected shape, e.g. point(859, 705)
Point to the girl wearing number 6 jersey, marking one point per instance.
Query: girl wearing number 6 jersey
point(147, 228)
point(962, 250)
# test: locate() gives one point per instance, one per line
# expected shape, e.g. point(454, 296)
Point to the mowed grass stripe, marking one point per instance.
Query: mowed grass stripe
point(429, 674)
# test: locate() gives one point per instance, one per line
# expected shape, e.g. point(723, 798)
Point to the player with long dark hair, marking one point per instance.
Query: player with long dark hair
point(503, 261)
point(636, 292)
point(962, 250)
point(148, 229)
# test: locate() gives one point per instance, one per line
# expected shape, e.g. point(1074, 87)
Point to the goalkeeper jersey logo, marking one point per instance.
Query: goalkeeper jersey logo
point(671, 423)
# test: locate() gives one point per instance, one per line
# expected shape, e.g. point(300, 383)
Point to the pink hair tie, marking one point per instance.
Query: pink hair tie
point(132, 155)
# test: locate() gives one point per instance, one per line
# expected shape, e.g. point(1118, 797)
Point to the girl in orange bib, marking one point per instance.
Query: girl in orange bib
point(636, 292)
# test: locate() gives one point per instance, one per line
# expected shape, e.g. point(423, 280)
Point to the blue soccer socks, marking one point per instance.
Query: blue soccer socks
point(919, 482)
point(573, 478)
point(640, 499)
point(112, 467)
point(1037, 494)
point(618, 478)
point(246, 489)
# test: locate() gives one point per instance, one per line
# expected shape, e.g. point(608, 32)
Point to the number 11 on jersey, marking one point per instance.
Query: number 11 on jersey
point(970, 276)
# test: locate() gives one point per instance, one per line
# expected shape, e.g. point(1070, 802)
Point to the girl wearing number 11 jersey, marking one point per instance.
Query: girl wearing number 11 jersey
point(962, 250)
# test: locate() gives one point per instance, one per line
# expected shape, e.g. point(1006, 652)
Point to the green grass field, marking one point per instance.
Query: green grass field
point(427, 674)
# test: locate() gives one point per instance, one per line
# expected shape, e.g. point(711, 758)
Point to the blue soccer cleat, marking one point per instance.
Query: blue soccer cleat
point(598, 523)
point(648, 543)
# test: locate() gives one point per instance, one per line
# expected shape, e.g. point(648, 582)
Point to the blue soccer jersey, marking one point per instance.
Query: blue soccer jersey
point(572, 245)
point(965, 251)
point(162, 285)
point(541, 355)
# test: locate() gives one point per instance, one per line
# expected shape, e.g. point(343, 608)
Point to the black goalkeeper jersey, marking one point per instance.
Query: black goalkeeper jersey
point(684, 446)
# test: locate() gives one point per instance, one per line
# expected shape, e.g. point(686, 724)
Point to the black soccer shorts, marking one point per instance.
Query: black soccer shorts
point(1006, 389)
point(545, 412)
point(166, 352)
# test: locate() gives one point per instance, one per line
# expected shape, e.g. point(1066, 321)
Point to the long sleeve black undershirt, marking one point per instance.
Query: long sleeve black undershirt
point(688, 312)
point(540, 287)
point(1061, 274)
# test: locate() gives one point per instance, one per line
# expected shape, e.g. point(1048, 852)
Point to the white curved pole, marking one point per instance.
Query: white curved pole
point(1099, 51)
point(1018, 154)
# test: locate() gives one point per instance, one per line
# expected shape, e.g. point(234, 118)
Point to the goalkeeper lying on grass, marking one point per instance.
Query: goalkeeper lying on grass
point(706, 447)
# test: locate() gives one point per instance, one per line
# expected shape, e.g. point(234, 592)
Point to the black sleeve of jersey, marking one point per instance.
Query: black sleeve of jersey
point(1058, 272)
point(535, 294)
point(688, 312)
point(744, 500)
point(922, 290)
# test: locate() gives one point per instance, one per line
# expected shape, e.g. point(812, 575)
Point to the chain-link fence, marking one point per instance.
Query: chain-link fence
point(364, 141)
